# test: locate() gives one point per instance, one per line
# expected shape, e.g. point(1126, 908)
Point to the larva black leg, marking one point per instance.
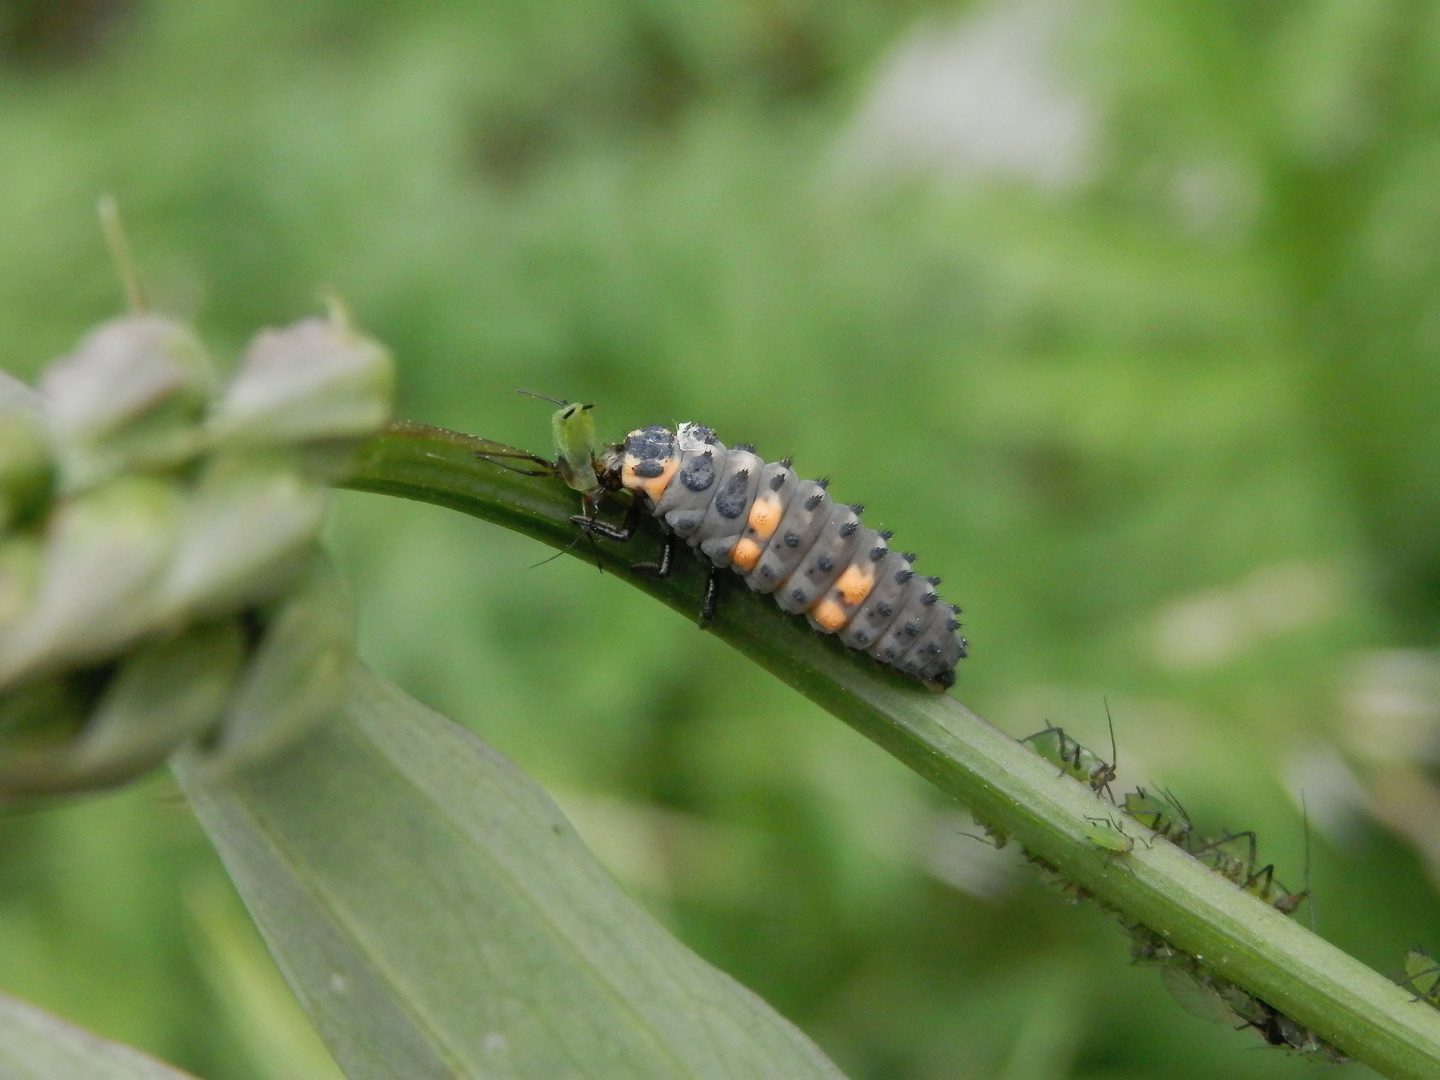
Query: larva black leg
point(712, 594)
point(621, 533)
point(659, 569)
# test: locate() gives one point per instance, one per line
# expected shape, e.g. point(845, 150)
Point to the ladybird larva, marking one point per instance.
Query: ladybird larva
point(785, 536)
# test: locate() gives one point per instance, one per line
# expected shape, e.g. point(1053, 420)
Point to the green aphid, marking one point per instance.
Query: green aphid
point(1108, 835)
point(1072, 759)
point(1162, 814)
point(1422, 976)
point(577, 450)
point(1221, 857)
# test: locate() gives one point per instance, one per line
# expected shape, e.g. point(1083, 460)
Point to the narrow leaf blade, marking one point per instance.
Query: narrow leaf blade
point(438, 917)
point(37, 1046)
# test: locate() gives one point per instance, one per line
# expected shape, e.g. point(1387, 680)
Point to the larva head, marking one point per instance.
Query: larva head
point(646, 461)
point(576, 449)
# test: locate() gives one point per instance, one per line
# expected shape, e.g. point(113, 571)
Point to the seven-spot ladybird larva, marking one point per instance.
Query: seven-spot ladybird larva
point(784, 535)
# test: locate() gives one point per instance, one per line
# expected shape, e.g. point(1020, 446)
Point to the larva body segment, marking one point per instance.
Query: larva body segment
point(786, 536)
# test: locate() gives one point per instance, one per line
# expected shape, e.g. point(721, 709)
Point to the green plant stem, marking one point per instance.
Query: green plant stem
point(1192, 907)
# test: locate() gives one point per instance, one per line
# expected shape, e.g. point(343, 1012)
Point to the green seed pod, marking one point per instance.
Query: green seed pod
point(249, 526)
point(129, 397)
point(316, 380)
point(166, 692)
point(105, 553)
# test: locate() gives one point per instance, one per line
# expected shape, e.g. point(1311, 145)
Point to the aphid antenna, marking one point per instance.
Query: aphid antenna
point(1170, 795)
point(545, 397)
point(119, 245)
point(1110, 720)
point(1305, 832)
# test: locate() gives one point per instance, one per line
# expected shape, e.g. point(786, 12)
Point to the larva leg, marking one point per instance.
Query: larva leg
point(621, 533)
point(712, 593)
point(659, 569)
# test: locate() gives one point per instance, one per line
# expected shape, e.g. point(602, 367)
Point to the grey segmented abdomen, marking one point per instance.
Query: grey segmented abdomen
point(787, 537)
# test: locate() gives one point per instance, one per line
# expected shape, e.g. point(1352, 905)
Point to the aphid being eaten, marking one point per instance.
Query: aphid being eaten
point(785, 536)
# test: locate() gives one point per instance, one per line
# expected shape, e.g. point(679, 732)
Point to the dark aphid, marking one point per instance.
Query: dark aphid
point(786, 537)
point(1072, 759)
point(1162, 814)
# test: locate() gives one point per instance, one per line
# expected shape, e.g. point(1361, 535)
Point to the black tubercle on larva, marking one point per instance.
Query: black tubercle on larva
point(785, 461)
point(748, 447)
point(911, 557)
point(813, 501)
point(825, 563)
point(886, 534)
point(702, 433)
point(929, 598)
point(792, 539)
point(912, 629)
point(878, 552)
point(859, 508)
point(885, 610)
point(862, 638)
point(649, 469)
point(731, 500)
point(952, 624)
point(778, 481)
point(955, 608)
point(903, 576)
point(934, 581)
point(798, 595)
point(824, 482)
point(650, 442)
point(848, 529)
point(699, 472)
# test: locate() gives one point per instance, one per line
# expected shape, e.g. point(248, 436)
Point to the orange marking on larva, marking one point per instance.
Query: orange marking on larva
point(765, 517)
point(855, 584)
point(653, 486)
point(746, 554)
point(829, 615)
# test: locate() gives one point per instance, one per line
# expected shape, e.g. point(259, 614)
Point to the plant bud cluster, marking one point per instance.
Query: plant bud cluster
point(160, 577)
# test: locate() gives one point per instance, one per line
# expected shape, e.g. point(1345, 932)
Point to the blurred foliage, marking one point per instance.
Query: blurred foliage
point(1169, 433)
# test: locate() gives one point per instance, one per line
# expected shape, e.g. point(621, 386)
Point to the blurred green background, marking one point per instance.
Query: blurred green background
point(1126, 317)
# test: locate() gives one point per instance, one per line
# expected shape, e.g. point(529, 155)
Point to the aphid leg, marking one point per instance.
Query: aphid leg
point(659, 569)
point(712, 592)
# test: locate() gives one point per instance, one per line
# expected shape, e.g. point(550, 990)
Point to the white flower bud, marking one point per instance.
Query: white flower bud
point(314, 380)
point(298, 677)
point(132, 394)
point(250, 525)
point(105, 552)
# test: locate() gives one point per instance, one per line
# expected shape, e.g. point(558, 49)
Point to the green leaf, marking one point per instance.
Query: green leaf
point(438, 917)
point(37, 1046)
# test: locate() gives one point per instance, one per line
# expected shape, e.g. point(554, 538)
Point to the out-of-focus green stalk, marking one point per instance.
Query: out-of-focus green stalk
point(1194, 908)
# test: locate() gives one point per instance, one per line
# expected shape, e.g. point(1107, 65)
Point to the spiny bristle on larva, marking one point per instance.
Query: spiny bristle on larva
point(786, 461)
point(746, 446)
point(859, 508)
point(824, 482)
point(886, 534)
point(911, 557)
point(934, 581)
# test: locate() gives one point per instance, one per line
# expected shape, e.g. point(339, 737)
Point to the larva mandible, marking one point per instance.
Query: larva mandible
point(784, 535)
